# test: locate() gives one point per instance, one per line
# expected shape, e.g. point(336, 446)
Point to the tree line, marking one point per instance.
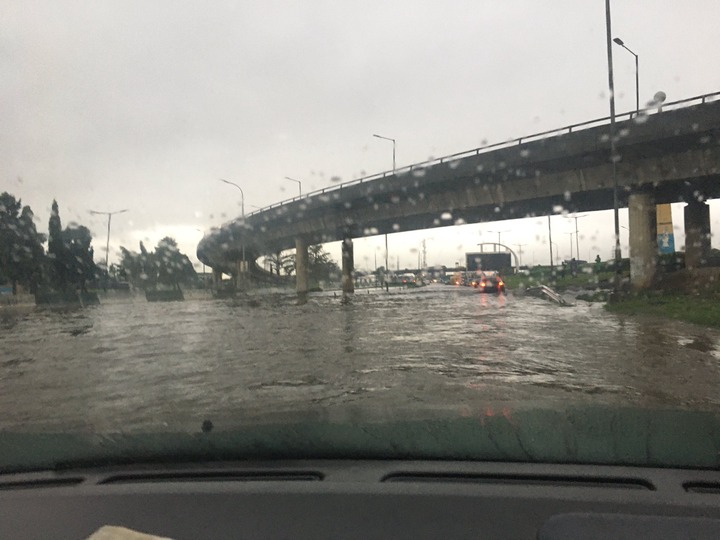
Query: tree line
point(166, 266)
point(68, 264)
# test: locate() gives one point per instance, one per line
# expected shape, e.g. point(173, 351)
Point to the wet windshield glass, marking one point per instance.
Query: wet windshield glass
point(456, 230)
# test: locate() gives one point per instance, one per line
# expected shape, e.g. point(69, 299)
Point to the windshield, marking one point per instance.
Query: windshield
point(450, 230)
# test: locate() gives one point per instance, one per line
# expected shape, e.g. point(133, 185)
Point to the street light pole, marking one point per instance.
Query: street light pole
point(557, 250)
point(498, 233)
point(386, 238)
point(298, 182)
point(107, 247)
point(637, 74)
point(571, 251)
point(242, 196)
point(393, 141)
point(613, 157)
point(242, 213)
point(577, 235)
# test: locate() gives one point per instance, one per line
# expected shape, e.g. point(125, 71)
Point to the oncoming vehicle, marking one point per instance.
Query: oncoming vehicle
point(489, 282)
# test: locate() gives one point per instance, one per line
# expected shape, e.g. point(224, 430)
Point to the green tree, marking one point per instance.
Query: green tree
point(70, 254)
point(278, 261)
point(288, 264)
point(166, 266)
point(130, 266)
point(321, 267)
point(79, 262)
point(57, 253)
point(173, 267)
point(21, 251)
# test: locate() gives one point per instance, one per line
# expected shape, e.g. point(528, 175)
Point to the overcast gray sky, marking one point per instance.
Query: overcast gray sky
point(144, 105)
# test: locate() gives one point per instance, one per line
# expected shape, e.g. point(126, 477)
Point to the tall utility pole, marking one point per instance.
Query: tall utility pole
point(520, 252)
point(613, 155)
point(107, 246)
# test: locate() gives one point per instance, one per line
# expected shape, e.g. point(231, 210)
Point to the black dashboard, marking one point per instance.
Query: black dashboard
point(364, 499)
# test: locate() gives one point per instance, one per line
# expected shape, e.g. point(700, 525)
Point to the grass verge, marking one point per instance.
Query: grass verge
point(703, 310)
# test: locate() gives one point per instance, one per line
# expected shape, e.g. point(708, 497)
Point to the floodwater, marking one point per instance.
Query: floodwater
point(132, 365)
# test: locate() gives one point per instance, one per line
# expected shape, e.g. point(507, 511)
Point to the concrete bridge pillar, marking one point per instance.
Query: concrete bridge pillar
point(301, 266)
point(697, 234)
point(643, 239)
point(348, 262)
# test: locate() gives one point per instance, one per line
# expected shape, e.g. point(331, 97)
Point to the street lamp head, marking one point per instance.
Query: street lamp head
point(108, 213)
point(619, 41)
point(381, 137)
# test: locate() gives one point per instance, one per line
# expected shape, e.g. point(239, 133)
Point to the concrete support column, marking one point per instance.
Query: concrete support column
point(348, 263)
point(216, 278)
point(697, 234)
point(301, 266)
point(643, 239)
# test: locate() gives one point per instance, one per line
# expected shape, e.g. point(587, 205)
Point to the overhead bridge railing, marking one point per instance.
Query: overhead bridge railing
point(674, 105)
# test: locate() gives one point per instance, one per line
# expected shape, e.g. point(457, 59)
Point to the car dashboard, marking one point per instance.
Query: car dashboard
point(363, 499)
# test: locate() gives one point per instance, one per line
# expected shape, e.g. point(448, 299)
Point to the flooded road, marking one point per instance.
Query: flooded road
point(133, 365)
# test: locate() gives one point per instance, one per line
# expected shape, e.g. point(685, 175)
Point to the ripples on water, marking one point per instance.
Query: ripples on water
point(138, 365)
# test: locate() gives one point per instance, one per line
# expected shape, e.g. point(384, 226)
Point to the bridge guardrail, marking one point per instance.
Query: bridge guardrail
point(674, 105)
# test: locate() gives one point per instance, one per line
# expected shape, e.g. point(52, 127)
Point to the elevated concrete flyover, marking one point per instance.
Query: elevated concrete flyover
point(663, 157)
